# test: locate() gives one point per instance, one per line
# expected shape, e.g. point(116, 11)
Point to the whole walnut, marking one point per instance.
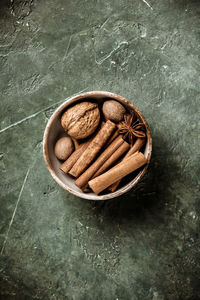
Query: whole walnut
point(81, 120)
point(113, 110)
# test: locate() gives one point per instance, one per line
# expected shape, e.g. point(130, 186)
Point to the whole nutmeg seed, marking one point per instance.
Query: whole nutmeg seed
point(64, 148)
point(81, 120)
point(113, 110)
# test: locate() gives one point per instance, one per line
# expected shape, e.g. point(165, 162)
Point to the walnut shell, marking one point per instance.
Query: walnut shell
point(81, 120)
point(113, 110)
point(64, 148)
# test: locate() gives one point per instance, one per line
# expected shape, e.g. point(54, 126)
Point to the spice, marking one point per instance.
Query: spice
point(113, 158)
point(68, 164)
point(130, 129)
point(79, 149)
point(93, 149)
point(136, 147)
point(63, 148)
point(113, 110)
point(82, 181)
point(127, 166)
point(112, 138)
point(112, 141)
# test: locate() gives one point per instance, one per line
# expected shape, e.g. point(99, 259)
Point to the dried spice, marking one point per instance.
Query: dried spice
point(95, 163)
point(131, 128)
point(64, 148)
point(113, 110)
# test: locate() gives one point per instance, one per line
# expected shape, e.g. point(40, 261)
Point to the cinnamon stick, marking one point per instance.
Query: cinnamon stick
point(79, 149)
point(116, 155)
point(94, 147)
point(112, 138)
point(136, 147)
point(124, 168)
point(68, 164)
point(82, 181)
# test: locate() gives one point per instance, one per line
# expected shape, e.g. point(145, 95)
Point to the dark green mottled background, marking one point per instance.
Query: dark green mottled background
point(146, 244)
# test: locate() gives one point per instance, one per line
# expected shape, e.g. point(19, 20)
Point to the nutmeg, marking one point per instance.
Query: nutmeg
point(64, 148)
point(81, 120)
point(113, 110)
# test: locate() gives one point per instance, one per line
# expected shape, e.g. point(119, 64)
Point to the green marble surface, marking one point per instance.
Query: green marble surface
point(146, 244)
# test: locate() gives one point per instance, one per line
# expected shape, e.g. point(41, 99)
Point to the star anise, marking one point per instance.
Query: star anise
point(131, 128)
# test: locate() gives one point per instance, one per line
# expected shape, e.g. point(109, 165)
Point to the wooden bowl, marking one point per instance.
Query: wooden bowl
point(54, 130)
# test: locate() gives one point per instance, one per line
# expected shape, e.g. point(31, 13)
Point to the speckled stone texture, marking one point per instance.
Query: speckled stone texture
point(146, 244)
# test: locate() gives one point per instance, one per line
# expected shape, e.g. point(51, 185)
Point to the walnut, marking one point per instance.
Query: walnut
point(81, 120)
point(113, 110)
point(64, 148)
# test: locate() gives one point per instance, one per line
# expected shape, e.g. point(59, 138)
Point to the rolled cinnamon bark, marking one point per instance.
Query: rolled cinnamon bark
point(112, 159)
point(79, 149)
point(136, 147)
point(82, 181)
point(127, 166)
point(112, 138)
point(68, 164)
point(94, 147)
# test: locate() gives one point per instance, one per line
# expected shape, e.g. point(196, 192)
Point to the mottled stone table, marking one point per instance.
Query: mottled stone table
point(146, 244)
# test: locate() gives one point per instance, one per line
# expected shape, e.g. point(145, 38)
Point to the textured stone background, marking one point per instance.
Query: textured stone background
point(146, 244)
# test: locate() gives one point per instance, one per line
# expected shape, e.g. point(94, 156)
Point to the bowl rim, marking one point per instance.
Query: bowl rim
point(80, 194)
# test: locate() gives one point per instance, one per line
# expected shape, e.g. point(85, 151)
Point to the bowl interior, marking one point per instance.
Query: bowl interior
point(54, 131)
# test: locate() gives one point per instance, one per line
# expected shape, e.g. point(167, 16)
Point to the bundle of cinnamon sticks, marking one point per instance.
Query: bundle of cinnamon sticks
point(101, 162)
